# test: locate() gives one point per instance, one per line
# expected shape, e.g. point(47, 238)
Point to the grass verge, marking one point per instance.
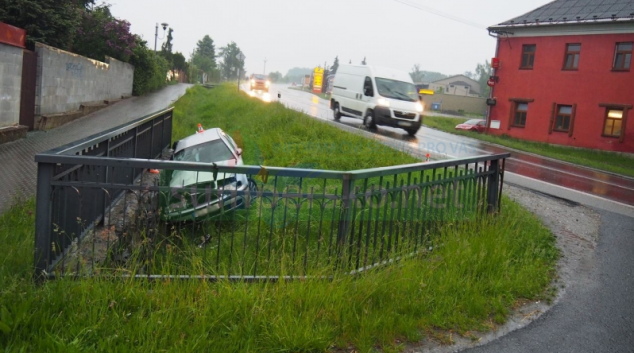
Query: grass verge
point(470, 283)
point(307, 90)
point(608, 161)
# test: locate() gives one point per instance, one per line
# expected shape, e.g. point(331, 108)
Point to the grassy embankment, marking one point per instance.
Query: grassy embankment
point(470, 283)
point(608, 161)
point(307, 90)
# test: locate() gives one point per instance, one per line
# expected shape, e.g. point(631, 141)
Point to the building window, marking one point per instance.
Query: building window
point(622, 57)
point(571, 59)
point(519, 116)
point(613, 122)
point(563, 118)
point(528, 56)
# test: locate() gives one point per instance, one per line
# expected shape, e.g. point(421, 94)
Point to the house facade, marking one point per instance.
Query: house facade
point(565, 75)
point(459, 85)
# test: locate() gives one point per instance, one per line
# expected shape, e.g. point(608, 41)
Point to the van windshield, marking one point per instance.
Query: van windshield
point(400, 90)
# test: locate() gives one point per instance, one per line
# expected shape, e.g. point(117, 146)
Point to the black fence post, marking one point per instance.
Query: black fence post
point(493, 183)
point(43, 220)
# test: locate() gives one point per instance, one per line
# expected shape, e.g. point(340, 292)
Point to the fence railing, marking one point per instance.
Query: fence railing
point(99, 212)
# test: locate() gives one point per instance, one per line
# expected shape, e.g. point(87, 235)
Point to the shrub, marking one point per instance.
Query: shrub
point(150, 70)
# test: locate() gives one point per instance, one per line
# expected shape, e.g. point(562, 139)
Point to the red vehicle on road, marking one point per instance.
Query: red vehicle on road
point(477, 125)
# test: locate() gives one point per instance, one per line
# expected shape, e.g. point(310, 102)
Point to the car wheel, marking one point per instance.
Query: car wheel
point(369, 120)
point(336, 113)
point(412, 132)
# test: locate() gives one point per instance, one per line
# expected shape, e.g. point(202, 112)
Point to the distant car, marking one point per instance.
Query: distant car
point(259, 83)
point(477, 125)
point(197, 196)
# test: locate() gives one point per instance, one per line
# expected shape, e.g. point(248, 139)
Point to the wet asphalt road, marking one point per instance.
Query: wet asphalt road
point(440, 144)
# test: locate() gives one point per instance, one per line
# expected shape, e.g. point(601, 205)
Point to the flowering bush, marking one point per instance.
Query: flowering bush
point(100, 35)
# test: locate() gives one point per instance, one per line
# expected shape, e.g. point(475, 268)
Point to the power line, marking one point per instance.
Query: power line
point(442, 14)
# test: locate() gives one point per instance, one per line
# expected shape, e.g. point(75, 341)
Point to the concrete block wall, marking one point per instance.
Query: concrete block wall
point(10, 84)
point(66, 80)
point(456, 103)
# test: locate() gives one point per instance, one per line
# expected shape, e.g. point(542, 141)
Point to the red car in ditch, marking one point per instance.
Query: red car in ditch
point(477, 125)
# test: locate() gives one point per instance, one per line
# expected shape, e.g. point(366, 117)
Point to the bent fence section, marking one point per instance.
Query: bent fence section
point(101, 213)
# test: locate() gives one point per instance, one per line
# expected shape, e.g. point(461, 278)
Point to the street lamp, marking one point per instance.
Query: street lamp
point(264, 73)
point(241, 58)
point(164, 25)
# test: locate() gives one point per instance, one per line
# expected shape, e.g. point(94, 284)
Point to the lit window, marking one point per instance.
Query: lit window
point(528, 56)
point(622, 56)
point(613, 121)
point(571, 59)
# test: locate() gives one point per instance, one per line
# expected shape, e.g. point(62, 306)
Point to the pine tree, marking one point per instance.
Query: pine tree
point(335, 66)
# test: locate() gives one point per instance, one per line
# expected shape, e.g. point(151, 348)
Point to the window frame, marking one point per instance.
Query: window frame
point(615, 106)
point(574, 54)
point(622, 52)
point(367, 83)
point(530, 54)
point(556, 114)
point(606, 117)
point(515, 102)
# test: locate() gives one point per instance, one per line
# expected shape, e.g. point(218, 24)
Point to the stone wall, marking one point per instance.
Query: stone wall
point(449, 102)
point(10, 84)
point(65, 80)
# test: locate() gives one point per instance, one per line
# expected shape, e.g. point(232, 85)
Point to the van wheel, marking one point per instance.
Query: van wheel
point(336, 113)
point(369, 120)
point(412, 132)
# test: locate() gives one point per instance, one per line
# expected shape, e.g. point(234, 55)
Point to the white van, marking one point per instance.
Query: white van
point(377, 95)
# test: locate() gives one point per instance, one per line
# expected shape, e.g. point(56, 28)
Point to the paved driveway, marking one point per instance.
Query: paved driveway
point(18, 169)
point(597, 313)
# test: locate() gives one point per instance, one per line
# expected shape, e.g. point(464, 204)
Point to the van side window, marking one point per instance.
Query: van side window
point(367, 87)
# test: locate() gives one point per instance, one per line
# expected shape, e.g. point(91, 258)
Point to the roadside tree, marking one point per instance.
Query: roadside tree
point(52, 22)
point(483, 72)
point(335, 66)
point(275, 76)
point(231, 62)
point(416, 74)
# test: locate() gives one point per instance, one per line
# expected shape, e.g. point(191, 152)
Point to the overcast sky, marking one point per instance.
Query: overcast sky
point(306, 33)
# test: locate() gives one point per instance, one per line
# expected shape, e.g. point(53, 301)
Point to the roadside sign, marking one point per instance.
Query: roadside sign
point(318, 79)
point(491, 82)
point(495, 63)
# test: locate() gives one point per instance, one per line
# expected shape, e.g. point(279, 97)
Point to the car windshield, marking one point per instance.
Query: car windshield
point(259, 77)
point(210, 152)
point(473, 122)
point(397, 89)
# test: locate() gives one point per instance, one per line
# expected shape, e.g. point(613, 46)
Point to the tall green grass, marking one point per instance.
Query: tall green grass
point(603, 160)
point(472, 279)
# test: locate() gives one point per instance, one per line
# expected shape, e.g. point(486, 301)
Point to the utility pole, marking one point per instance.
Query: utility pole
point(264, 73)
point(241, 58)
point(155, 35)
